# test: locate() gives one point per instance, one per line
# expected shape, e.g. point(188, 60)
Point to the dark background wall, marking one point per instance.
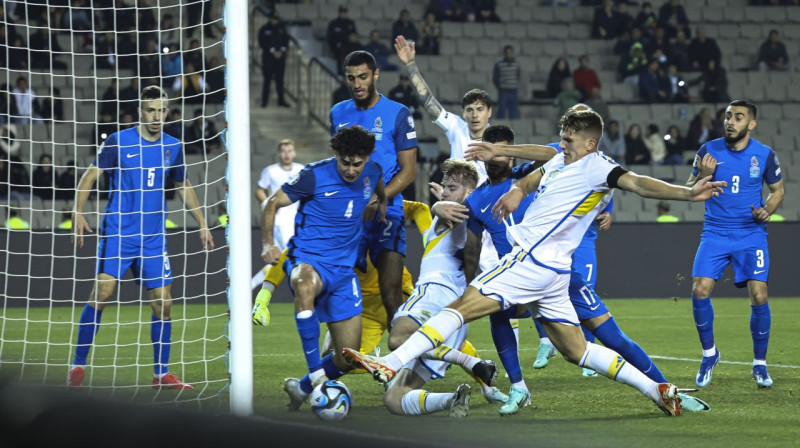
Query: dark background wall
point(634, 260)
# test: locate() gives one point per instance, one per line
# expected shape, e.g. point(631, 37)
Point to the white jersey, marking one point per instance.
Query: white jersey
point(567, 201)
point(457, 132)
point(272, 178)
point(443, 259)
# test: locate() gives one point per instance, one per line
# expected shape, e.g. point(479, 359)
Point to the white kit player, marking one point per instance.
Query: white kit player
point(272, 177)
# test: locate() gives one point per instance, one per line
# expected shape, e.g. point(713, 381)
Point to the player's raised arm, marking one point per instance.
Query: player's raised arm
point(269, 251)
point(485, 151)
point(649, 187)
point(189, 197)
point(85, 185)
point(407, 53)
point(509, 202)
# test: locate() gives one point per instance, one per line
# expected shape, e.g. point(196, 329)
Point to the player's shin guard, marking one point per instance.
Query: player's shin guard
point(418, 402)
point(614, 338)
point(610, 364)
point(506, 344)
point(760, 323)
point(308, 328)
point(429, 336)
point(703, 313)
point(87, 329)
point(161, 337)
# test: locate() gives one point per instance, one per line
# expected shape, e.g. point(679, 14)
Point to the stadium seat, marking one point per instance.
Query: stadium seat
point(753, 14)
point(473, 30)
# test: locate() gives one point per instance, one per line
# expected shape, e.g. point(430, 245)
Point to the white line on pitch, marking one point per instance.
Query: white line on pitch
point(740, 363)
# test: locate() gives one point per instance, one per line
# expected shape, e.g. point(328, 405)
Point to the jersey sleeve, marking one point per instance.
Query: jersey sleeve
point(263, 181)
point(405, 136)
point(447, 122)
point(772, 173)
point(598, 169)
point(178, 170)
point(419, 213)
point(107, 153)
point(522, 170)
point(473, 223)
point(301, 185)
point(333, 125)
point(697, 158)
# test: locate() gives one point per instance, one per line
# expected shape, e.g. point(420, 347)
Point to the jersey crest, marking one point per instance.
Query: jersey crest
point(367, 189)
point(166, 158)
point(755, 171)
point(377, 129)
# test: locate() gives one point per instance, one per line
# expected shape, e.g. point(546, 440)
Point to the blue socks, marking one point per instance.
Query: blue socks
point(588, 335)
point(161, 335)
point(539, 328)
point(703, 313)
point(760, 323)
point(614, 338)
point(308, 327)
point(331, 371)
point(87, 328)
point(506, 343)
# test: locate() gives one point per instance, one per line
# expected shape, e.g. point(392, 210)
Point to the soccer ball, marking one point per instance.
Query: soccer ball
point(331, 400)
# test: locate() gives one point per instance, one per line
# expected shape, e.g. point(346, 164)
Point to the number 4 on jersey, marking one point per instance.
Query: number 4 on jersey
point(349, 212)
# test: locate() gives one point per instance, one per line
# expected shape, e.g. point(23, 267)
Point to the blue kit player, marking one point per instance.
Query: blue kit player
point(131, 235)
point(734, 232)
point(396, 152)
point(334, 195)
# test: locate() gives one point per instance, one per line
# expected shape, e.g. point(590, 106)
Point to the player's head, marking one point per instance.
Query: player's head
point(360, 74)
point(459, 179)
point(352, 147)
point(740, 119)
point(499, 167)
point(153, 110)
point(476, 108)
point(578, 107)
point(286, 152)
point(580, 133)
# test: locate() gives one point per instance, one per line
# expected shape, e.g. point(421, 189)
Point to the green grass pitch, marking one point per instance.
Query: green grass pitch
point(567, 410)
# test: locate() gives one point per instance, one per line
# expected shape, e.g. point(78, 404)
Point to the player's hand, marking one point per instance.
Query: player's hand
point(80, 224)
point(207, 239)
point(373, 208)
point(507, 204)
point(436, 190)
point(604, 221)
point(270, 253)
point(405, 51)
point(707, 166)
point(452, 212)
point(260, 310)
point(706, 189)
point(482, 151)
point(760, 214)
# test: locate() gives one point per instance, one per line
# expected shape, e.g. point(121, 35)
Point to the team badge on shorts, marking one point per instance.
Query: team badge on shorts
point(367, 189)
point(755, 171)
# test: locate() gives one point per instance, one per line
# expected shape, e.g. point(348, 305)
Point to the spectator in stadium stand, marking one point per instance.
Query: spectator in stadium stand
point(679, 52)
point(603, 25)
point(597, 103)
point(274, 42)
point(658, 42)
point(194, 54)
point(646, 20)
point(773, 54)
point(109, 104)
point(612, 143)
point(66, 182)
point(129, 98)
point(404, 94)
point(78, 17)
point(622, 20)
point(201, 135)
point(715, 83)
point(679, 88)
point(44, 48)
point(105, 50)
point(215, 79)
point(174, 124)
point(450, 10)
point(352, 44)
point(636, 152)
point(171, 65)
point(559, 71)
point(380, 51)
point(676, 145)
point(25, 98)
point(19, 179)
point(632, 63)
point(66, 219)
point(18, 54)
point(568, 97)
point(702, 129)
point(655, 144)
point(170, 34)
point(4, 177)
point(44, 178)
point(15, 222)
point(431, 35)
point(486, 11)
point(128, 51)
point(8, 107)
point(339, 30)
point(53, 105)
point(623, 43)
point(403, 26)
point(145, 21)
point(702, 49)
point(651, 87)
point(673, 18)
point(105, 127)
point(662, 212)
point(197, 10)
point(638, 36)
point(585, 77)
point(340, 94)
point(150, 61)
point(506, 78)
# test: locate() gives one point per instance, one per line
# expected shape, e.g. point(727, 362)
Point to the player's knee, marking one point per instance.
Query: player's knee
point(700, 289)
point(759, 297)
point(393, 400)
point(572, 354)
point(396, 340)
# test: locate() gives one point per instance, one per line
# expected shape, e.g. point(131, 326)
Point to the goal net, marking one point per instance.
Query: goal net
point(71, 77)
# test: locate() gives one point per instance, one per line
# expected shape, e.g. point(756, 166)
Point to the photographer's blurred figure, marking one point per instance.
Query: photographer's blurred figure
point(662, 209)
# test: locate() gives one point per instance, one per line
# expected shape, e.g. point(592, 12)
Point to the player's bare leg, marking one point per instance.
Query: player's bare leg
point(307, 284)
point(345, 334)
point(102, 291)
point(703, 313)
point(390, 281)
point(760, 324)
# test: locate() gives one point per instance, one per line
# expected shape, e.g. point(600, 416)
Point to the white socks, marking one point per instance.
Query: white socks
point(419, 402)
point(429, 336)
point(610, 364)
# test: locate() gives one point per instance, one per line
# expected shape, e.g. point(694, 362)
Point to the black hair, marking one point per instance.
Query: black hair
point(508, 47)
point(498, 133)
point(150, 93)
point(751, 108)
point(360, 57)
point(476, 95)
point(354, 141)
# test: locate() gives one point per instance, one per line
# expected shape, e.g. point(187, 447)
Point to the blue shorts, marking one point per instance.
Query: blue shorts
point(389, 235)
point(340, 297)
point(149, 263)
point(584, 262)
point(586, 302)
point(748, 252)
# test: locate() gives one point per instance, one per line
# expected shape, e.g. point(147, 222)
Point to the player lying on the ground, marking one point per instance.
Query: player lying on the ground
point(570, 189)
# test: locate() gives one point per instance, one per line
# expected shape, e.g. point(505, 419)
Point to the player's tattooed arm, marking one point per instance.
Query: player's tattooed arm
point(407, 52)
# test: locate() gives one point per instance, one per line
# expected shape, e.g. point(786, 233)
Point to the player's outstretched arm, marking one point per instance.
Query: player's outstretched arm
point(509, 202)
point(82, 195)
point(472, 254)
point(450, 211)
point(774, 200)
point(485, 151)
point(419, 213)
point(270, 253)
point(189, 197)
point(649, 187)
point(407, 53)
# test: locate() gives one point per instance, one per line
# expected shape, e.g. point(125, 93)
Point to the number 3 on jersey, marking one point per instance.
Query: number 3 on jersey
point(349, 212)
point(735, 184)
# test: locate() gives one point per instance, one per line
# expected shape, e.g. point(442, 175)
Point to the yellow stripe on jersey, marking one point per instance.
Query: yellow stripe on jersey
point(615, 366)
point(499, 269)
point(432, 334)
point(589, 203)
point(414, 298)
point(432, 243)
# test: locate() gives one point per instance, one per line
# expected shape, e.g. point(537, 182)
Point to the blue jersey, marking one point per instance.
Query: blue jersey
point(328, 224)
point(745, 171)
point(138, 170)
point(393, 126)
point(481, 201)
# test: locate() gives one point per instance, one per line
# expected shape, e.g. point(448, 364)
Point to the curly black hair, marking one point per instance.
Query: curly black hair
point(498, 133)
point(354, 141)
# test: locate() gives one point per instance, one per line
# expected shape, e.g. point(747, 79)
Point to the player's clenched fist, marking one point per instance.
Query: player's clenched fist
point(270, 253)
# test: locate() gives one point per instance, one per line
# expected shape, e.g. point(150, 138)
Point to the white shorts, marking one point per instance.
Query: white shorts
point(517, 280)
point(283, 232)
point(431, 369)
point(488, 256)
